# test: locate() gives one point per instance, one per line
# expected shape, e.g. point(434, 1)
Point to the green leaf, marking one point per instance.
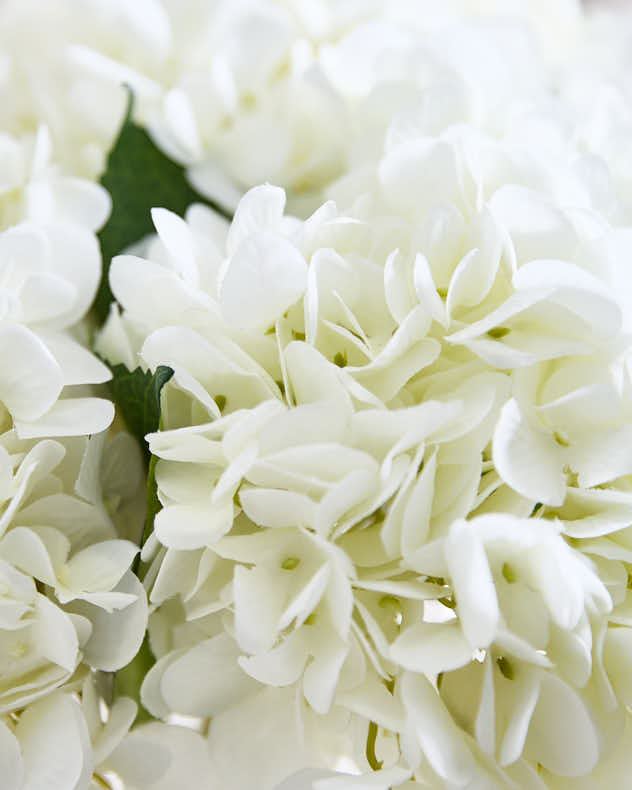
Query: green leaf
point(138, 177)
point(137, 395)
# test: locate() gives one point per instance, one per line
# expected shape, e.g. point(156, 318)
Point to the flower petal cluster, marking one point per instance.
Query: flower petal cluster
point(388, 493)
point(62, 741)
point(291, 92)
point(67, 588)
point(69, 605)
point(50, 266)
point(394, 457)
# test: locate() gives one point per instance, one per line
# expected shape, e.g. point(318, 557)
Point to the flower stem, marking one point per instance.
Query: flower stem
point(370, 747)
point(127, 681)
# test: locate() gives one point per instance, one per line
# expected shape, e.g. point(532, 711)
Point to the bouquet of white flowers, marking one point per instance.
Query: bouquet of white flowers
point(315, 395)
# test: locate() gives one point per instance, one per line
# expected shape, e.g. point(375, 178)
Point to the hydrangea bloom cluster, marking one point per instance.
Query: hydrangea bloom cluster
point(394, 464)
point(70, 606)
point(290, 91)
point(393, 469)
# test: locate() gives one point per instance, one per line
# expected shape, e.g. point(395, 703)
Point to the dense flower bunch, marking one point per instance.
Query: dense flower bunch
point(387, 540)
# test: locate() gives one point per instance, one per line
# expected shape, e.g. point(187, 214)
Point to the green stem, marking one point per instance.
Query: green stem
point(370, 748)
point(127, 681)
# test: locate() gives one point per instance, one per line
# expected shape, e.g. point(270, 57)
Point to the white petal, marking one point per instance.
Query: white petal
point(485, 724)
point(231, 478)
point(269, 507)
point(577, 290)
point(354, 487)
point(77, 364)
point(602, 456)
point(259, 210)
point(315, 779)
point(478, 395)
point(321, 676)
point(427, 291)
point(416, 521)
point(11, 766)
point(392, 527)
point(88, 483)
point(99, 65)
point(42, 149)
point(259, 597)
point(176, 235)
point(472, 280)
point(44, 296)
point(120, 719)
point(374, 702)
point(218, 368)
point(313, 377)
point(161, 757)
point(241, 431)
point(80, 522)
point(562, 736)
point(77, 258)
point(439, 737)
point(206, 679)
point(398, 288)
point(265, 276)
point(117, 636)
point(69, 417)
point(308, 598)
point(521, 649)
point(617, 656)
point(112, 341)
point(431, 648)
point(537, 227)
point(82, 202)
point(25, 550)
point(31, 378)
point(189, 527)
point(247, 755)
point(394, 367)
point(211, 180)
point(281, 666)
point(154, 294)
point(99, 567)
point(323, 421)
point(383, 779)
point(55, 744)
point(473, 584)
point(419, 175)
point(110, 601)
point(527, 458)
point(180, 114)
point(142, 761)
point(396, 431)
point(595, 512)
point(151, 691)
point(311, 468)
point(524, 693)
point(516, 304)
point(55, 634)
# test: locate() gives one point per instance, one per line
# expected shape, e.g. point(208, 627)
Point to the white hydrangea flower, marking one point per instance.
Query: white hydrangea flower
point(394, 468)
point(292, 92)
point(62, 741)
point(67, 590)
point(51, 266)
point(321, 467)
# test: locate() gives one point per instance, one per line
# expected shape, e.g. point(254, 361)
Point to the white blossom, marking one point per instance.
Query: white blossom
point(393, 460)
